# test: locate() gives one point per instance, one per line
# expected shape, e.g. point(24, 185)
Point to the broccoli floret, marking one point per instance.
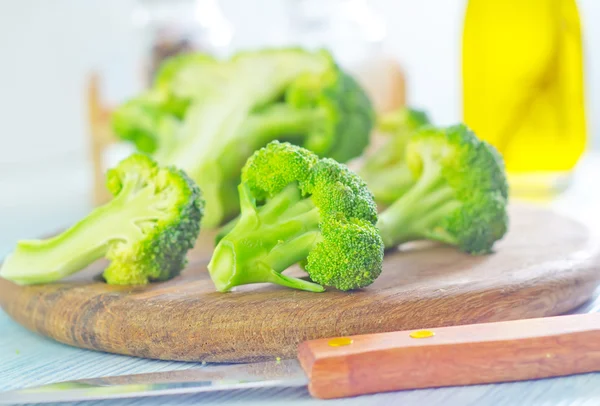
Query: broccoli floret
point(460, 196)
point(402, 121)
point(385, 169)
point(297, 208)
point(145, 231)
point(208, 116)
point(143, 122)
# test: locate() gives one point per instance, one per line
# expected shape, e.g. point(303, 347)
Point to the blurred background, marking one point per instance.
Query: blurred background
point(68, 62)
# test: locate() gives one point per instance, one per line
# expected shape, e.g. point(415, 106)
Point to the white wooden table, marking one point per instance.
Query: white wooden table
point(27, 359)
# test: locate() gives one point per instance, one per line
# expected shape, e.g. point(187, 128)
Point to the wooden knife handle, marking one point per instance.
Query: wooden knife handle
point(452, 356)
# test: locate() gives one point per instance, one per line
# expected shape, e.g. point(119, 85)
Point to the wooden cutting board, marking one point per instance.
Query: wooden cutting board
point(546, 265)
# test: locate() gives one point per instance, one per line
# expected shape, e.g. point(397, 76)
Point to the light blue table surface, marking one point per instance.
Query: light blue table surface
point(28, 359)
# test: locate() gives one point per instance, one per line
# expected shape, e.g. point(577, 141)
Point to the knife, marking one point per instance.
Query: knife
point(371, 363)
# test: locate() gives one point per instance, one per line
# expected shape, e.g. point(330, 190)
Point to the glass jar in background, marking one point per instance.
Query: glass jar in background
point(171, 27)
point(162, 28)
point(354, 32)
point(523, 88)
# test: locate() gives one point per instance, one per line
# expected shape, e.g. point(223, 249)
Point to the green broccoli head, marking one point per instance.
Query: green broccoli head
point(402, 121)
point(460, 195)
point(349, 255)
point(385, 169)
point(145, 231)
point(151, 121)
point(208, 116)
point(143, 122)
point(170, 229)
point(335, 116)
point(297, 208)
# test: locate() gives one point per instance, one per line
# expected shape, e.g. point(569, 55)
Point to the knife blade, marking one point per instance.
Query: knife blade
point(286, 373)
point(371, 363)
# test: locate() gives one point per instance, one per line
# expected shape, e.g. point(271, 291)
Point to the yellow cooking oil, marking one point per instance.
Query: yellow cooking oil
point(523, 88)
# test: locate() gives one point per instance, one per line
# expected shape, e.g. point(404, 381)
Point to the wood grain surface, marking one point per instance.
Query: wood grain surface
point(546, 265)
point(472, 354)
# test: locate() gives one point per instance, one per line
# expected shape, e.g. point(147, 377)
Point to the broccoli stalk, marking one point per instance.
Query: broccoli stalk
point(421, 208)
point(460, 195)
point(146, 231)
point(268, 241)
point(226, 110)
point(299, 209)
point(385, 170)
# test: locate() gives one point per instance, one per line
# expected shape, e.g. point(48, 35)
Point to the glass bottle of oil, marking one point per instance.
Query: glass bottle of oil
point(523, 88)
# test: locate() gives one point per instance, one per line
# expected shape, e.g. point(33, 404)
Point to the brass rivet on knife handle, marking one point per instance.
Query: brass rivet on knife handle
point(422, 334)
point(456, 356)
point(340, 342)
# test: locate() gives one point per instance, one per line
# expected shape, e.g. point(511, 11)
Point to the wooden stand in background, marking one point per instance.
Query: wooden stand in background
point(385, 82)
point(101, 134)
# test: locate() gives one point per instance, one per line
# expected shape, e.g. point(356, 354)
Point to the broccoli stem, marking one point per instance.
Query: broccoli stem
point(389, 184)
point(43, 261)
point(208, 178)
point(281, 120)
point(422, 207)
point(298, 208)
point(226, 229)
point(278, 122)
point(292, 252)
point(205, 133)
point(213, 160)
point(166, 136)
point(267, 240)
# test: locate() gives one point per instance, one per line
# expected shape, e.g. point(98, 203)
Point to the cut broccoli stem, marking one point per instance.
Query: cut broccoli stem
point(267, 240)
point(43, 261)
point(420, 209)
